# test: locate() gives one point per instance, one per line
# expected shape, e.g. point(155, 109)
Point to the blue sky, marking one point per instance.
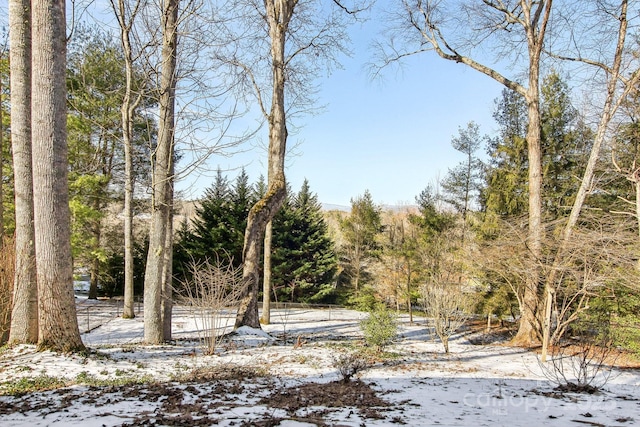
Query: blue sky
point(391, 136)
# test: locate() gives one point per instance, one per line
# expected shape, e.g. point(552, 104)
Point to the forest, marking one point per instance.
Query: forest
point(536, 229)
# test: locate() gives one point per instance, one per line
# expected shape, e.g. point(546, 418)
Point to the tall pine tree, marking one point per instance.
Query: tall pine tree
point(304, 259)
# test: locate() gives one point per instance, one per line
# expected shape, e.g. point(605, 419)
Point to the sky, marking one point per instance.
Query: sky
point(390, 136)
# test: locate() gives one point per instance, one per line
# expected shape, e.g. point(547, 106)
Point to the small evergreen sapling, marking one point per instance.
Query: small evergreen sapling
point(380, 327)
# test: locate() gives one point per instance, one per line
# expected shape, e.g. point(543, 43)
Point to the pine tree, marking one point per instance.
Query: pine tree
point(461, 186)
point(304, 259)
point(505, 193)
point(217, 231)
point(564, 151)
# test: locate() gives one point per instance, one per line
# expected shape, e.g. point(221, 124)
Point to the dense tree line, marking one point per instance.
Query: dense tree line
point(543, 227)
point(303, 254)
point(469, 231)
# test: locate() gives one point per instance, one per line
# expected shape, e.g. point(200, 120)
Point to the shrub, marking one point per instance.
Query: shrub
point(349, 364)
point(214, 287)
point(582, 363)
point(380, 327)
point(448, 308)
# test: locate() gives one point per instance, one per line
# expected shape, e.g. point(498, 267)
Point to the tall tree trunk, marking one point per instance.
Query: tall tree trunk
point(24, 317)
point(259, 215)
point(266, 286)
point(58, 323)
point(163, 158)
point(530, 328)
point(278, 13)
point(127, 112)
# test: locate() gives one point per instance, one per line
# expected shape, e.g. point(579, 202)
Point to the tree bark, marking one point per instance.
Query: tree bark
point(278, 13)
point(163, 158)
point(259, 215)
point(167, 276)
point(58, 323)
point(24, 317)
point(266, 286)
point(127, 111)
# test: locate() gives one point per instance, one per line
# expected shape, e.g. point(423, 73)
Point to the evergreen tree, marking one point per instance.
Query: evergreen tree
point(360, 230)
point(462, 184)
point(217, 231)
point(565, 143)
point(95, 86)
point(304, 259)
point(564, 150)
point(243, 196)
point(505, 193)
point(210, 230)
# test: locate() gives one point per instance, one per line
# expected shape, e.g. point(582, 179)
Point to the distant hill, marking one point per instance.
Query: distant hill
point(332, 207)
point(386, 208)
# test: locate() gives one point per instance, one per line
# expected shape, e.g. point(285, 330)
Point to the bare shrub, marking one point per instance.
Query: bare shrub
point(583, 363)
point(349, 364)
point(7, 267)
point(211, 294)
point(448, 308)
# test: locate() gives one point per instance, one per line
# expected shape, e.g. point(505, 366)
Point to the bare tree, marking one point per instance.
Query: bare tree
point(126, 13)
point(448, 308)
point(24, 318)
point(300, 34)
point(430, 26)
point(160, 235)
point(58, 323)
point(618, 85)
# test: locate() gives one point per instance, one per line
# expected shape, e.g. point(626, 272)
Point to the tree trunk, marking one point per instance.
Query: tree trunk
point(93, 281)
point(95, 262)
point(278, 13)
point(24, 317)
point(167, 276)
point(266, 286)
point(530, 328)
point(58, 323)
point(127, 110)
point(259, 215)
point(163, 158)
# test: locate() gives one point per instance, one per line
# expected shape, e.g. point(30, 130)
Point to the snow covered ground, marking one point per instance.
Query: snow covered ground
point(288, 375)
